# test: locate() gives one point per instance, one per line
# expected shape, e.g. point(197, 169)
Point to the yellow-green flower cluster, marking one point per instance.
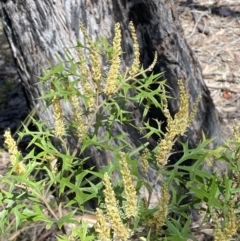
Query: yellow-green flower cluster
point(81, 127)
point(111, 82)
point(102, 228)
point(194, 111)
point(218, 234)
point(175, 126)
point(236, 132)
point(145, 163)
point(164, 149)
point(52, 160)
point(182, 116)
point(94, 58)
point(88, 91)
point(160, 216)
point(129, 189)
point(236, 138)
point(231, 226)
point(112, 210)
point(113, 214)
point(154, 62)
point(14, 153)
point(136, 61)
point(59, 127)
point(145, 203)
point(84, 70)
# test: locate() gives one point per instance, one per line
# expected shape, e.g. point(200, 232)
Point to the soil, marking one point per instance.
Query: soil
point(212, 29)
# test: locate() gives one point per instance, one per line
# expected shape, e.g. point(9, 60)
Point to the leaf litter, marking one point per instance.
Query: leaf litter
point(212, 29)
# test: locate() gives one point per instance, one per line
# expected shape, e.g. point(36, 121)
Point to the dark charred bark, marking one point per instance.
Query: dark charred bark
point(39, 30)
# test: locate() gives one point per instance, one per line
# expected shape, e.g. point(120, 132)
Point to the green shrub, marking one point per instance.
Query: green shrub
point(121, 214)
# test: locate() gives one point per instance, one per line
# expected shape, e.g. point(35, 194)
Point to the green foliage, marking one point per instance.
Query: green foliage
point(55, 188)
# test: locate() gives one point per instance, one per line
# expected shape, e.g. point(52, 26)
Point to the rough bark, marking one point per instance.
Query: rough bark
point(39, 30)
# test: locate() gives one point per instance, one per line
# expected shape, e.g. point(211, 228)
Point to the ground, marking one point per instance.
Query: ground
point(212, 29)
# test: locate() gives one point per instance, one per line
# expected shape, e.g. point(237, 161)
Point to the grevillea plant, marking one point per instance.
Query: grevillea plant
point(50, 187)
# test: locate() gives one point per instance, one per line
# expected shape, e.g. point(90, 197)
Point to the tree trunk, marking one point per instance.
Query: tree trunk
point(40, 30)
